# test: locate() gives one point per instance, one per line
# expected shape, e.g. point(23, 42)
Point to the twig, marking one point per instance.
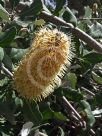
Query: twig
point(92, 132)
point(90, 18)
point(75, 30)
point(75, 112)
point(7, 71)
point(88, 91)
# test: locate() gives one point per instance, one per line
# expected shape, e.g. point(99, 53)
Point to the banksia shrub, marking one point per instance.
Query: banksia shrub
point(43, 66)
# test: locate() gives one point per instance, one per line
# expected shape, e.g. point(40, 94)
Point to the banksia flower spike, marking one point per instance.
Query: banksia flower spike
point(43, 66)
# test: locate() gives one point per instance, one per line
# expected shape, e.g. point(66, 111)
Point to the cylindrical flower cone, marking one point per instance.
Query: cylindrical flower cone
point(42, 67)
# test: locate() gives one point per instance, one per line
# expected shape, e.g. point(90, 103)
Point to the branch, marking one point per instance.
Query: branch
point(75, 30)
point(72, 108)
point(7, 71)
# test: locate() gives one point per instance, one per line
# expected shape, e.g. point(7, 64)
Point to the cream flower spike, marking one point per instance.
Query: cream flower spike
point(43, 66)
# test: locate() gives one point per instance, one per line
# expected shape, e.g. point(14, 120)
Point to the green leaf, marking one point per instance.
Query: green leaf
point(4, 134)
point(1, 54)
point(97, 78)
point(33, 10)
point(18, 102)
point(93, 58)
point(46, 9)
point(14, 3)
point(7, 61)
point(21, 23)
point(17, 54)
point(90, 119)
point(7, 113)
point(62, 131)
point(83, 25)
point(90, 59)
point(7, 37)
point(46, 111)
point(72, 78)
point(96, 30)
point(69, 17)
point(39, 22)
point(4, 14)
point(31, 112)
point(88, 12)
point(59, 116)
point(59, 6)
point(98, 98)
point(3, 81)
point(72, 94)
point(77, 47)
point(2, 2)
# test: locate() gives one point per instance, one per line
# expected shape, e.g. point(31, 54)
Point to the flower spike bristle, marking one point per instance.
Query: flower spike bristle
point(43, 66)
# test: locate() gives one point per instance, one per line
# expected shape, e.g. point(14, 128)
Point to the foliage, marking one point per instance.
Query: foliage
point(82, 85)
